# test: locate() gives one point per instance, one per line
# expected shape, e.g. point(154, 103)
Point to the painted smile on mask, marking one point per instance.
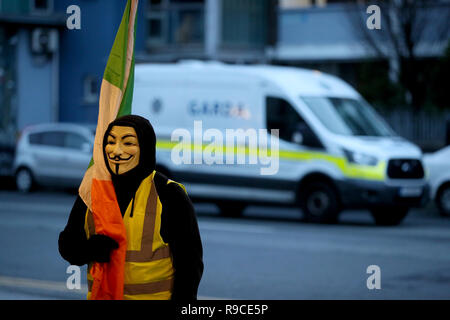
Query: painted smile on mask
point(119, 159)
point(122, 149)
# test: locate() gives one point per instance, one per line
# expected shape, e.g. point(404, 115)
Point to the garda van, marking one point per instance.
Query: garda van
point(334, 151)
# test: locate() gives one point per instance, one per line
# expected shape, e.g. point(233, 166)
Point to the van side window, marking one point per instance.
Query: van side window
point(281, 115)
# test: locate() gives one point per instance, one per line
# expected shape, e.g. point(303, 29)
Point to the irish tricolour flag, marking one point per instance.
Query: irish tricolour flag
point(96, 189)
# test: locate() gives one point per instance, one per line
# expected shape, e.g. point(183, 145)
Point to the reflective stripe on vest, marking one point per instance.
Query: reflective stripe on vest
point(148, 265)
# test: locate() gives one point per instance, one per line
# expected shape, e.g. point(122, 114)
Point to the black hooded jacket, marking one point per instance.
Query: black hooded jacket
point(179, 226)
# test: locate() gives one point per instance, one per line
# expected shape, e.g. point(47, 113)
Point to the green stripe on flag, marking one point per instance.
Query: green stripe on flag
point(125, 106)
point(115, 68)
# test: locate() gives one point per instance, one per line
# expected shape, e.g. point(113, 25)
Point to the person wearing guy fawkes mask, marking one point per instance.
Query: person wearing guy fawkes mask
point(164, 249)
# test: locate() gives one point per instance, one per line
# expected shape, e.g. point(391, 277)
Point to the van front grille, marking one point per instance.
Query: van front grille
point(405, 169)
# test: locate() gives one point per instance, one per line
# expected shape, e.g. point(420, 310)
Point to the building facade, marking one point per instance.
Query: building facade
point(29, 62)
point(167, 31)
point(226, 30)
point(332, 35)
point(29, 68)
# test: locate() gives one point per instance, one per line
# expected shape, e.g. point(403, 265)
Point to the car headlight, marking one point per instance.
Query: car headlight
point(360, 158)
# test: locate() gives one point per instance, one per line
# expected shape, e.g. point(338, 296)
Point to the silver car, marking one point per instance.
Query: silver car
point(54, 154)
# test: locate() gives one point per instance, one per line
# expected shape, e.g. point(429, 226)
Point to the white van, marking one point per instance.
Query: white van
point(334, 150)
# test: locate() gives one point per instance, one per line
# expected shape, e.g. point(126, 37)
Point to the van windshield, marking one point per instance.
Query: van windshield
point(348, 116)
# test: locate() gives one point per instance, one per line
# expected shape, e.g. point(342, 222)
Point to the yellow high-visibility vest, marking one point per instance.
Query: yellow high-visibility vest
point(149, 271)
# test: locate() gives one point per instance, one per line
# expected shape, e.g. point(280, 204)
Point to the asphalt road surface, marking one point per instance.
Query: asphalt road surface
point(267, 254)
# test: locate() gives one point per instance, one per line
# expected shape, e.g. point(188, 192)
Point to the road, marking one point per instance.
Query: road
point(267, 254)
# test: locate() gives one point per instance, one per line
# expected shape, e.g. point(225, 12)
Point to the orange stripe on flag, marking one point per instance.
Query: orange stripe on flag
point(108, 277)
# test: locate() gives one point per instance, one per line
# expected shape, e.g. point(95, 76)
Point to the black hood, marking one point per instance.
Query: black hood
point(126, 184)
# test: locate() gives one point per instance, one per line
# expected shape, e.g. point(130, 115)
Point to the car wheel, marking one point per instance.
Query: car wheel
point(24, 180)
point(231, 209)
point(443, 200)
point(319, 203)
point(389, 216)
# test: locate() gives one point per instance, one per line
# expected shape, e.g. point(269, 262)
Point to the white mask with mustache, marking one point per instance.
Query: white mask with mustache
point(122, 149)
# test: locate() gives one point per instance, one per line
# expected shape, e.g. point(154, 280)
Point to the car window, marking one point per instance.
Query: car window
point(74, 141)
point(35, 138)
point(50, 138)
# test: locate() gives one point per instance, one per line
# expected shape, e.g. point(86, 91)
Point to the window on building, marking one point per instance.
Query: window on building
point(293, 4)
point(156, 2)
point(41, 6)
point(91, 90)
point(188, 1)
point(188, 26)
point(324, 2)
point(175, 22)
point(249, 27)
point(157, 28)
point(155, 25)
point(337, 1)
point(157, 20)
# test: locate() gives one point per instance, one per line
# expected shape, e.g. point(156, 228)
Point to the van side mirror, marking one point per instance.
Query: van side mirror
point(297, 137)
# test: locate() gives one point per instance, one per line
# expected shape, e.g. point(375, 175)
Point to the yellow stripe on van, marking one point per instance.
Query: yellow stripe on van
point(349, 170)
point(166, 144)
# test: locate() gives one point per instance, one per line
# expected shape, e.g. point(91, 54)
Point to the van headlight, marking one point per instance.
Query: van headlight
point(360, 158)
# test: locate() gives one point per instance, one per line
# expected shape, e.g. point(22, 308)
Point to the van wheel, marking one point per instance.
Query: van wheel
point(319, 203)
point(24, 180)
point(231, 209)
point(389, 216)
